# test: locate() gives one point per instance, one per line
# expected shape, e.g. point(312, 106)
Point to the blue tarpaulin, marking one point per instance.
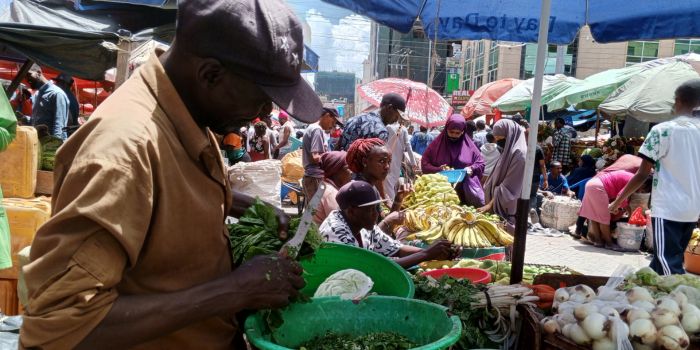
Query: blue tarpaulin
point(518, 20)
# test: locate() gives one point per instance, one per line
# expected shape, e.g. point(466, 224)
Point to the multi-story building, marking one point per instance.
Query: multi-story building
point(407, 55)
point(486, 61)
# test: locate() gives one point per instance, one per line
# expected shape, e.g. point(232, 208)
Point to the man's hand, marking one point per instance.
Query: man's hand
point(402, 192)
point(444, 167)
point(267, 282)
point(545, 184)
point(440, 250)
point(283, 223)
point(469, 171)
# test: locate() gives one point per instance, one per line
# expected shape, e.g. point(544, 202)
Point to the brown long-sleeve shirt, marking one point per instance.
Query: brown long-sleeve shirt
point(139, 205)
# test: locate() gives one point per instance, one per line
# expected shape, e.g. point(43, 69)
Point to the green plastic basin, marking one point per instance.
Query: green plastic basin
point(420, 321)
point(389, 278)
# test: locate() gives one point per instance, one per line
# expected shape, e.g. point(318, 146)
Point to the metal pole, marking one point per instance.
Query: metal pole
point(430, 63)
point(19, 77)
point(518, 258)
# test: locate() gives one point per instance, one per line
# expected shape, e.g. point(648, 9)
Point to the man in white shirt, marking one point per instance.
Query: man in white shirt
point(672, 149)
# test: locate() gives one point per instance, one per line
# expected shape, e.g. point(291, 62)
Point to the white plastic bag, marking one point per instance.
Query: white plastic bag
point(261, 179)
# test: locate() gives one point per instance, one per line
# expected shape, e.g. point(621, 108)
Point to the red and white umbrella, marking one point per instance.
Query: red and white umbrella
point(424, 106)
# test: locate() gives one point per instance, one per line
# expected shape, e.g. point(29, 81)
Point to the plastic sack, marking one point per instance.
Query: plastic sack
point(9, 331)
point(638, 217)
point(692, 293)
point(619, 333)
point(292, 167)
point(260, 179)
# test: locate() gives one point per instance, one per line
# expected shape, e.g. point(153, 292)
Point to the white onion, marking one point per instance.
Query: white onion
point(604, 344)
point(595, 326)
point(550, 325)
point(561, 295)
point(672, 338)
point(669, 304)
point(579, 336)
point(690, 319)
point(583, 310)
point(663, 318)
point(639, 294)
point(644, 305)
point(643, 331)
point(635, 314)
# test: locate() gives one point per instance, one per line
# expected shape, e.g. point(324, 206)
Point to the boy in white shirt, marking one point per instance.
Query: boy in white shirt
point(672, 149)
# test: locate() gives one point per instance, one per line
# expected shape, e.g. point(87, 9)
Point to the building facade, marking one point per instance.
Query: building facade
point(407, 55)
point(485, 61)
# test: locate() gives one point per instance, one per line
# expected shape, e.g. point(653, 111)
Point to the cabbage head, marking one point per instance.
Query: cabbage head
point(347, 284)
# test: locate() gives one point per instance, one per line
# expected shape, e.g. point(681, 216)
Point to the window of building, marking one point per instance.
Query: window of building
point(467, 74)
point(492, 74)
point(684, 46)
point(642, 51)
point(529, 57)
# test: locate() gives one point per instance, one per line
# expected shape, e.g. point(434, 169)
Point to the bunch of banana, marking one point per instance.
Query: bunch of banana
point(431, 189)
point(494, 233)
point(419, 220)
point(429, 236)
point(470, 231)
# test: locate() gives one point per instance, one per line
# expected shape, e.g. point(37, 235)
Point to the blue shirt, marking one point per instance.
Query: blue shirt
point(51, 108)
point(557, 185)
point(363, 126)
point(420, 141)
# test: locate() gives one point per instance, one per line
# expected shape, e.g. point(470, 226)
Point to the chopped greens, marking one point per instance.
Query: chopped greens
point(255, 233)
point(373, 341)
point(458, 296)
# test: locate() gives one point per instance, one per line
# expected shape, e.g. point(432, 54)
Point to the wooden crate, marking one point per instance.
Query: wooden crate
point(9, 301)
point(530, 337)
point(44, 182)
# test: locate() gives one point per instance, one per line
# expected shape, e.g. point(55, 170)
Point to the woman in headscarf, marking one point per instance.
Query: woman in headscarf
point(585, 170)
point(504, 186)
point(335, 175)
point(454, 149)
point(369, 160)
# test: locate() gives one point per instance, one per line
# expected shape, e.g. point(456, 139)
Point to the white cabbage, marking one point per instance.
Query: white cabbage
point(347, 284)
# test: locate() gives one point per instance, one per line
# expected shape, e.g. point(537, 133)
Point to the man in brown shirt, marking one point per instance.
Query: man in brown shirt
point(136, 253)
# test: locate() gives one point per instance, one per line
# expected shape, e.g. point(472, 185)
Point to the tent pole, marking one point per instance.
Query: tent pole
point(518, 257)
point(19, 77)
point(597, 127)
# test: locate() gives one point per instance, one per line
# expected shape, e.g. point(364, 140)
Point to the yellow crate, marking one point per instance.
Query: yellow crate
point(19, 164)
point(25, 217)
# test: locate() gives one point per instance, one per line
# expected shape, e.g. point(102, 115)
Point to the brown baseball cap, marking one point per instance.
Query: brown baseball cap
point(261, 40)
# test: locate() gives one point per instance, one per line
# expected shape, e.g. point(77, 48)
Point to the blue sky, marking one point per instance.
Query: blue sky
point(340, 37)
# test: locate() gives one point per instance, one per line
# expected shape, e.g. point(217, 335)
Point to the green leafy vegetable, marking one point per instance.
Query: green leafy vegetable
point(373, 341)
point(256, 233)
point(458, 296)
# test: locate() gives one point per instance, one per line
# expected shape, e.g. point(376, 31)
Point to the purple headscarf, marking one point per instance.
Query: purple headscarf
point(506, 181)
point(458, 155)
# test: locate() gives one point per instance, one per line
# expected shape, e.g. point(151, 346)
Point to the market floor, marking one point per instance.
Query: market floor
point(586, 259)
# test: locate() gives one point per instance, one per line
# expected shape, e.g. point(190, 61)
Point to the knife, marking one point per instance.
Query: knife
point(291, 247)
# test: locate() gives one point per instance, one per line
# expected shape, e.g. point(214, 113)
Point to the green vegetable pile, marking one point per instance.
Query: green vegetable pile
point(655, 283)
point(49, 146)
point(256, 234)
point(374, 341)
point(457, 295)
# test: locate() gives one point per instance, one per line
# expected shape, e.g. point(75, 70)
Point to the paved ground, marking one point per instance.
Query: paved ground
point(586, 259)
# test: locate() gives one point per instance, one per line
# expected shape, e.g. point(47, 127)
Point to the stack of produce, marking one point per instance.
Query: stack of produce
point(624, 320)
point(486, 320)
point(49, 146)
point(461, 225)
point(431, 189)
point(499, 270)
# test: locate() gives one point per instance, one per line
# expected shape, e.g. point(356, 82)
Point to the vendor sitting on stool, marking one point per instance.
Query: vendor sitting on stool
point(354, 225)
point(558, 185)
